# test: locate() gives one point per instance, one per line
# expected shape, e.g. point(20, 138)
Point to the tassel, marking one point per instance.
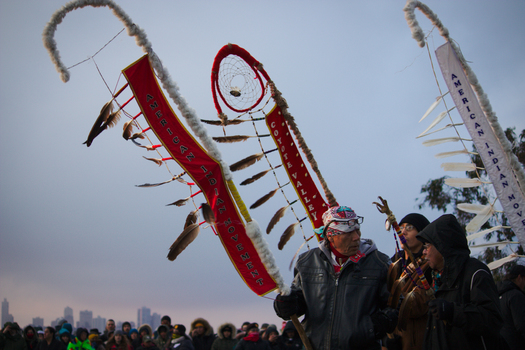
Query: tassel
point(257, 176)
point(102, 122)
point(432, 107)
point(248, 161)
point(462, 183)
point(277, 216)
point(453, 153)
point(288, 233)
point(458, 166)
point(185, 238)
point(436, 121)
point(207, 213)
point(434, 142)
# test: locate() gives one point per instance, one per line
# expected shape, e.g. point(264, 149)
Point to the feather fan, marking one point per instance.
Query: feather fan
point(277, 216)
point(462, 183)
point(257, 176)
point(458, 166)
point(185, 238)
point(101, 122)
point(432, 107)
point(207, 213)
point(155, 160)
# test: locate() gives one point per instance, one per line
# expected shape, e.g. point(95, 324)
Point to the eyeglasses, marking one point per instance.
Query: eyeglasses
point(407, 228)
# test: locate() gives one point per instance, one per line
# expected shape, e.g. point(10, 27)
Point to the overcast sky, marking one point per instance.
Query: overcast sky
point(74, 229)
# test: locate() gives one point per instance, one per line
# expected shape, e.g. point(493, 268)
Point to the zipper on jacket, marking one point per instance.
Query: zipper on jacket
point(333, 312)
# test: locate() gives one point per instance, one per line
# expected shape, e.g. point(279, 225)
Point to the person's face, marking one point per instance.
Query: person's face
point(227, 334)
point(165, 322)
point(143, 333)
point(30, 333)
point(110, 326)
point(118, 338)
point(346, 243)
point(200, 330)
point(134, 336)
point(410, 233)
point(83, 336)
point(272, 338)
point(435, 259)
point(65, 338)
point(48, 335)
point(41, 336)
point(126, 328)
point(163, 334)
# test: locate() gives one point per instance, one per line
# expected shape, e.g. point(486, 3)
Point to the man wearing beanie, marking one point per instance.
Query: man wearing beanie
point(252, 341)
point(340, 287)
point(180, 340)
point(512, 302)
point(465, 313)
point(409, 333)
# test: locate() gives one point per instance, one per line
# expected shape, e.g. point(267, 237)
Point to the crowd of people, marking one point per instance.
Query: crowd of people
point(430, 295)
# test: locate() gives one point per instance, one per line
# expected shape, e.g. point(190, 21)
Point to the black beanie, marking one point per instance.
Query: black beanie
point(416, 220)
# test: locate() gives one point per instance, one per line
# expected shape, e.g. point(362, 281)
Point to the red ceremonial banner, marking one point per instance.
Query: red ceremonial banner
point(303, 183)
point(205, 171)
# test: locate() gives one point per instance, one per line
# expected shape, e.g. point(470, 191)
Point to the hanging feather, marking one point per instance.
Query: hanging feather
point(277, 216)
point(207, 213)
point(458, 166)
point(185, 238)
point(248, 161)
point(484, 232)
point(432, 107)
point(461, 183)
point(288, 233)
point(220, 122)
point(127, 129)
point(137, 135)
point(440, 129)
point(257, 176)
point(475, 224)
point(494, 244)
point(436, 121)
point(147, 147)
point(453, 153)
point(435, 142)
point(498, 263)
point(157, 184)
point(471, 208)
point(155, 160)
point(191, 218)
point(235, 138)
point(101, 123)
point(264, 199)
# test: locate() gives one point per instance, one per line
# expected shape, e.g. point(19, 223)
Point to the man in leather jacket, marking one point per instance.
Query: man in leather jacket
point(340, 287)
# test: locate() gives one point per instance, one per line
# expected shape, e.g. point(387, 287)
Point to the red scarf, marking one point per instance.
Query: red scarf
point(252, 337)
point(341, 259)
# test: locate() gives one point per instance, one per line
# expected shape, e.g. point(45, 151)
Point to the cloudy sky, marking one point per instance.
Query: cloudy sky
point(74, 229)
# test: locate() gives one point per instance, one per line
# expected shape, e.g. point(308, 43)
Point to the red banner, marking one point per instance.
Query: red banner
point(205, 171)
point(297, 171)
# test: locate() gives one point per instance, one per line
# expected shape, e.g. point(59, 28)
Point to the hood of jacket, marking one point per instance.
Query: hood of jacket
point(506, 286)
point(148, 327)
point(450, 239)
point(208, 329)
point(222, 326)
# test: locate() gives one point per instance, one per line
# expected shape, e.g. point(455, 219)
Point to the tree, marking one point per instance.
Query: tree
point(444, 198)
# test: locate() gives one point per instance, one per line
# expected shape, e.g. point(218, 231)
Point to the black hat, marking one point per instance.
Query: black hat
point(416, 220)
point(180, 328)
point(94, 331)
point(252, 326)
point(515, 271)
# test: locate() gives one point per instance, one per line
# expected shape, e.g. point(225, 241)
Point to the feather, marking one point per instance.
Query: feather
point(436, 121)
point(113, 119)
point(208, 214)
point(462, 183)
point(185, 238)
point(127, 129)
point(264, 199)
point(147, 147)
point(228, 122)
point(434, 142)
point(235, 138)
point(432, 107)
point(156, 160)
point(277, 216)
point(498, 263)
point(191, 218)
point(246, 162)
point(494, 244)
point(257, 176)
point(137, 135)
point(471, 208)
point(157, 184)
point(180, 202)
point(440, 129)
point(458, 166)
point(453, 153)
point(288, 233)
point(484, 232)
point(100, 123)
point(475, 224)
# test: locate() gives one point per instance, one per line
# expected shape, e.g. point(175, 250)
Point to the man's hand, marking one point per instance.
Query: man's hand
point(384, 322)
point(287, 305)
point(441, 309)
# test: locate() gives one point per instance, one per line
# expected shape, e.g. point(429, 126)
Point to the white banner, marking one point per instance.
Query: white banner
point(489, 148)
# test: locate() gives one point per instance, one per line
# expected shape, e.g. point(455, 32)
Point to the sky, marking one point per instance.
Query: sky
point(75, 230)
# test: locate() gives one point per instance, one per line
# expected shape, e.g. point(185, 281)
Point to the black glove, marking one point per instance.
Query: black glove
point(394, 343)
point(384, 322)
point(441, 309)
point(287, 305)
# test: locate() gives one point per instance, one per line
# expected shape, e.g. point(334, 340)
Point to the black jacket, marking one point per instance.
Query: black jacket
point(466, 282)
point(512, 302)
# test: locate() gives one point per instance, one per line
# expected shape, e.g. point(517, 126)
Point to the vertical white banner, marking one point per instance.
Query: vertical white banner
point(489, 148)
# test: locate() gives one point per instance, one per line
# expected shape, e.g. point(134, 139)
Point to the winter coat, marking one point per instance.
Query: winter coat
point(76, 344)
point(223, 343)
point(12, 342)
point(251, 345)
point(512, 302)
point(31, 344)
point(182, 343)
point(205, 341)
point(466, 282)
point(339, 305)
point(294, 343)
point(54, 345)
